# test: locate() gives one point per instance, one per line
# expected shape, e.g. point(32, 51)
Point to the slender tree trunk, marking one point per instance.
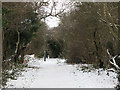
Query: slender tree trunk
point(44, 44)
point(17, 52)
point(22, 56)
point(98, 48)
point(17, 44)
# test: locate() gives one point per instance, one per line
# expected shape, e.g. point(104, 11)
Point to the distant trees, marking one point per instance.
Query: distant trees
point(54, 48)
point(87, 34)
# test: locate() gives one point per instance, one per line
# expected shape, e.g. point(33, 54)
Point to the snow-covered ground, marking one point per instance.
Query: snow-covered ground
point(55, 73)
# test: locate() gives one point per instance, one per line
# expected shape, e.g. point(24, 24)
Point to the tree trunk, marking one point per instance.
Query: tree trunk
point(98, 48)
point(16, 56)
point(22, 56)
point(17, 52)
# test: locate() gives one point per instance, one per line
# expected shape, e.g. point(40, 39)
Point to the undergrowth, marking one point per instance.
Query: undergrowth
point(11, 70)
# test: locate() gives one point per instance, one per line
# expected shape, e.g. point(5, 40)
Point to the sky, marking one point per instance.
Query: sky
point(60, 5)
point(52, 22)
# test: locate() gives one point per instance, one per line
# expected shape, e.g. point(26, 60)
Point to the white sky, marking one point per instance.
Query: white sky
point(52, 21)
point(60, 5)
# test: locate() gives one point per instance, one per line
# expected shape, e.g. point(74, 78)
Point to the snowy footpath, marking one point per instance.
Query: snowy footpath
point(55, 73)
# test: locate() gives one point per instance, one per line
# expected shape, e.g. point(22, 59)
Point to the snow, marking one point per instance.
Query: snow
point(55, 73)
